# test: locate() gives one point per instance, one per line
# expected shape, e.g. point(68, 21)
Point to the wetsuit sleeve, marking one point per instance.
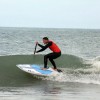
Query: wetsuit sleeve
point(40, 45)
point(45, 47)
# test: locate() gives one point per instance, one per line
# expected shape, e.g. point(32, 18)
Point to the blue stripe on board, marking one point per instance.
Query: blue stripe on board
point(38, 68)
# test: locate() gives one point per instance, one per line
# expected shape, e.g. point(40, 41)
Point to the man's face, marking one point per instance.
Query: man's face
point(45, 41)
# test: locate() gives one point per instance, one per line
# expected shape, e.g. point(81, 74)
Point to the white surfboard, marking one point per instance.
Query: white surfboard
point(36, 70)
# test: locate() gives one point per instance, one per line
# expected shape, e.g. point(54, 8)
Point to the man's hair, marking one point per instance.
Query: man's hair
point(45, 38)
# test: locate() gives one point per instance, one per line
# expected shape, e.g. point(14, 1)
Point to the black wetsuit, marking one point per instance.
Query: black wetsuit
point(49, 56)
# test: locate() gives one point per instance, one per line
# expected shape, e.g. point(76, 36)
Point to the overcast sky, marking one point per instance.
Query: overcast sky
point(50, 13)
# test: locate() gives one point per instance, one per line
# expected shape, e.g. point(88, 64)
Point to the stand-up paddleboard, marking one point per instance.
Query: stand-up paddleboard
point(36, 70)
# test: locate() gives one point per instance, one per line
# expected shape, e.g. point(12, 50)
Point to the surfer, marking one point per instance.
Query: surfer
point(56, 52)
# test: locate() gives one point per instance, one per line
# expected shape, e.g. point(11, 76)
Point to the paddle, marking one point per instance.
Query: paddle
point(35, 49)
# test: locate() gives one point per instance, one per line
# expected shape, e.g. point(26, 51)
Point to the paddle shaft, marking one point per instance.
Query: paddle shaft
point(35, 49)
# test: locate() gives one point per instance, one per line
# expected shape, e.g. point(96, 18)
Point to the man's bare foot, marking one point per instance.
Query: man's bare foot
point(44, 68)
point(54, 69)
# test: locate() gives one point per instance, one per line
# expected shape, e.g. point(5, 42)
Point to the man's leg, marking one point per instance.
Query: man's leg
point(45, 61)
point(53, 56)
point(50, 56)
point(53, 63)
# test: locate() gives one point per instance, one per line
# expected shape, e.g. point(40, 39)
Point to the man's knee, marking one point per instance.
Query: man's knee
point(46, 57)
point(50, 59)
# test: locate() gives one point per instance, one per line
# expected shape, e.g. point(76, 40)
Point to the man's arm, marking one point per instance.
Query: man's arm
point(45, 47)
point(40, 45)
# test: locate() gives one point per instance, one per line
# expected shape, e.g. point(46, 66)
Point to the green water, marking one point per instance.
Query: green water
point(12, 76)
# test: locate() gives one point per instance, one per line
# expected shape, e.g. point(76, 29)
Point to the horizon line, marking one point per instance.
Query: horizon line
point(46, 27)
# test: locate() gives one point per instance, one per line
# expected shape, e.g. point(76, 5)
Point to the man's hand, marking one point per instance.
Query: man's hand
point(35, 48)
point(36, 43)
point(36, 52)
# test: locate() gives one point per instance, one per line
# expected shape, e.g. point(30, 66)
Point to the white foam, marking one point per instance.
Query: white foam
point(87, 76)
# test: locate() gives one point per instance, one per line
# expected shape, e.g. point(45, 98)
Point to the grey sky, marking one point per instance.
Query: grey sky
point(50, 13)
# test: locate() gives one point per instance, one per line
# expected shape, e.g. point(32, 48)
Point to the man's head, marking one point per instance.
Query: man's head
point(45, 40)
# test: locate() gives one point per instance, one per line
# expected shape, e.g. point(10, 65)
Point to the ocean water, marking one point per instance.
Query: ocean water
point(80, 62)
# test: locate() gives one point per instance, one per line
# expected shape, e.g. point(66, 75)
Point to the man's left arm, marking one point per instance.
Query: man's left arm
point(45, 47)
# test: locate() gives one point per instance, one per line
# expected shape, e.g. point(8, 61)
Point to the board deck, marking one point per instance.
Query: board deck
point(45, 72)
point(36, 70)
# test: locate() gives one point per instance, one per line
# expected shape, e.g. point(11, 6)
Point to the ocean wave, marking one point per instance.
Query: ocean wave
point(75, 69)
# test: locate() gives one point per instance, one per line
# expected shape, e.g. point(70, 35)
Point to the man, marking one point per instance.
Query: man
point(56, 52)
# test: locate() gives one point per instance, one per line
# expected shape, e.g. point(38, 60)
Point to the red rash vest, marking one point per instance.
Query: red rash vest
point(54, 47)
